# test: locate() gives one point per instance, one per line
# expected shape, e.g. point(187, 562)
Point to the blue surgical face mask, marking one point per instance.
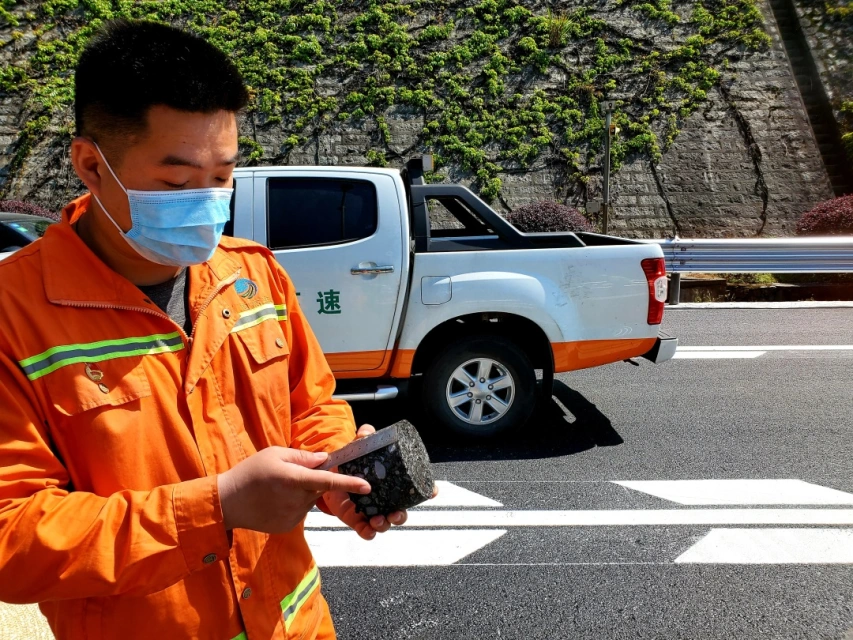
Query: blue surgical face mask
point(174, 228)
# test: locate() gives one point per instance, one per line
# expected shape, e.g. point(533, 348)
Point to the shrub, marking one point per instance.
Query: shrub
point(548, 216)
point(16, 206)
point(833, 217)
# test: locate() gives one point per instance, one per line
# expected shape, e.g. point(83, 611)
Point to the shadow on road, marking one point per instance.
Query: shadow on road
point(567, 425)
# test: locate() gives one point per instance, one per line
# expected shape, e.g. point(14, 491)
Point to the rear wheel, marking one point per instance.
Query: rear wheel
point(480, 387)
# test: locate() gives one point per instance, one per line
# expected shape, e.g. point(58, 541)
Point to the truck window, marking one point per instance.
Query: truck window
point(305, 212)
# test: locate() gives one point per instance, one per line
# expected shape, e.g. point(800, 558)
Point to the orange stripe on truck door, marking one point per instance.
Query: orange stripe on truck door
point(568, 356)
point(372, 364)
point(360, 364)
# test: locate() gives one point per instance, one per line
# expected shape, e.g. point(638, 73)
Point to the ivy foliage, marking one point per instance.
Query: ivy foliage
point(494, 86)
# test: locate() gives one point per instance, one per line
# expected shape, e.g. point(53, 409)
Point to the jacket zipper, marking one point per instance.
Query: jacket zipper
point(224, 283)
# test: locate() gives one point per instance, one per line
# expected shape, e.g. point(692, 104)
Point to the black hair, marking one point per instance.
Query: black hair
point(130, 66)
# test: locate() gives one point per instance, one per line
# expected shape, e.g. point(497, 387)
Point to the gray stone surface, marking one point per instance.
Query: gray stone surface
point(747, 163)
point(831, 42)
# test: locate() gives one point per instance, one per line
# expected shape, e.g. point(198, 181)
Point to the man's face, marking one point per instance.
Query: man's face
point(178, 150)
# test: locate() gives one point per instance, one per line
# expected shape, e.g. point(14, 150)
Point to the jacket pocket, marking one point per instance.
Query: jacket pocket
point(265, 342)
point(84, 386)
point(262, 383)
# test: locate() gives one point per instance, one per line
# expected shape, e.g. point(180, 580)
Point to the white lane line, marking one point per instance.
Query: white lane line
point(397, 548)
point(750, 492)
point(761, 305)
point(451, 495)
point(608, 518)
point(772, 546)
point(687, 354)
point(775, 347)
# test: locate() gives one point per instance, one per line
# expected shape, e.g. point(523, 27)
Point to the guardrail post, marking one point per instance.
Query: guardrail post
point(675, 288)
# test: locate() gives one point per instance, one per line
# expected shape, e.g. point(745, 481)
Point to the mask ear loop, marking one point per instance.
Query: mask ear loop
point(113, 173)
point(115, 177)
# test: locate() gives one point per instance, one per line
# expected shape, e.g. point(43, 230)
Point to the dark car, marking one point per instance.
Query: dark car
point(19, 229)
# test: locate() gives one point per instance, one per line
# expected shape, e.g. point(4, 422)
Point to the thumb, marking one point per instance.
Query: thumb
point(306, 459)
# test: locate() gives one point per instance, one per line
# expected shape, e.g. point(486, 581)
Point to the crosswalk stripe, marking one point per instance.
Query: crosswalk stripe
point(740, 492)
point(397, 548)
point(451, 495)
point(607, 518)
point(772, 546)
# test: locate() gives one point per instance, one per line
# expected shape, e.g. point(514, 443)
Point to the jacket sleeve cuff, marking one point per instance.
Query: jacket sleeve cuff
point(198, 518)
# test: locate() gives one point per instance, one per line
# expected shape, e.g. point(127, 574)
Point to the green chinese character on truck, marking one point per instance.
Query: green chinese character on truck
point(330, 302)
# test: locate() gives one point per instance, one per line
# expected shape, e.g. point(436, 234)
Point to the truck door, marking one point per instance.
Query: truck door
point(338, 236)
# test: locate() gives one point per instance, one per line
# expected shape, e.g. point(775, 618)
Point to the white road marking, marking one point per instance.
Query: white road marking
point(444, 536)
point(772, 546)
point(687, 354)
point(762, 305)
point(606, 518)
point(451, 495)
point(774, 347)
point(397, 548)
point(752, 492)
point(737, 352)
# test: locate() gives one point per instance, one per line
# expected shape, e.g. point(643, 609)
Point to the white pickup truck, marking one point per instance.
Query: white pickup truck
point(403, 280)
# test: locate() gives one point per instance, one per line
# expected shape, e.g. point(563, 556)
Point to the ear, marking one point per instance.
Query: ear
point(87, 163)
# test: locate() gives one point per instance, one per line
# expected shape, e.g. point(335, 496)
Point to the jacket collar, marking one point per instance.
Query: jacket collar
point(74, 275)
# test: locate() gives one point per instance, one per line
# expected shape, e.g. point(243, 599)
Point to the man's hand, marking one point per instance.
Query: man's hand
point(272, 490)
point(340, 505)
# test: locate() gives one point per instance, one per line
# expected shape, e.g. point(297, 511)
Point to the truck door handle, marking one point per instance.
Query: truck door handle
point(369, 271)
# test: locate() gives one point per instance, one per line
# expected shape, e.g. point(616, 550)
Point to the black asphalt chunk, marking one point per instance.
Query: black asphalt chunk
point(399, 474)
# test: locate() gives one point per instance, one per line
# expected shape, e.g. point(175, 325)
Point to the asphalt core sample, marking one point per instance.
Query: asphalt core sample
point(395, 463)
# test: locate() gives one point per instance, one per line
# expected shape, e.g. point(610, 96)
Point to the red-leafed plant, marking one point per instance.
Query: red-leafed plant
point(547, 216)
point(833, 217)
point(16, 206)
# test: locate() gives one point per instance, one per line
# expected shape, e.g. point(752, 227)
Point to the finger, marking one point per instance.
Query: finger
point(364, 431)
point(340, 504)
point(380, 524)
point(364, 530)
point(323, 481)
point(307, 459)
point(398, 517)
point(434, 490)
point(358, 523)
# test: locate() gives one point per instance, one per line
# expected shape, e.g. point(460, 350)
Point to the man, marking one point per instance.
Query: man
point(163, 401)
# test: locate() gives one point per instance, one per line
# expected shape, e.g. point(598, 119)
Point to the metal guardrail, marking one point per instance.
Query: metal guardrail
point(830, 254)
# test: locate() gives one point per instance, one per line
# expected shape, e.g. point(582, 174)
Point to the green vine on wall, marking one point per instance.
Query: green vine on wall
point(495, 86)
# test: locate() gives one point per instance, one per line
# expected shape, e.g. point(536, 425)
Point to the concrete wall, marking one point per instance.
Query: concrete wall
point(746, 164)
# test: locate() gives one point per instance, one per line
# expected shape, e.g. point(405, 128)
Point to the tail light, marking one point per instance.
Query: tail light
point(655, 270)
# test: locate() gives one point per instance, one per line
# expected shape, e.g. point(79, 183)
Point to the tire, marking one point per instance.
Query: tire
point(497, 361)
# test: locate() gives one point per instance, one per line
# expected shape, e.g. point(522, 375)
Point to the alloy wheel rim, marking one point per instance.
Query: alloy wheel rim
point(480, 391)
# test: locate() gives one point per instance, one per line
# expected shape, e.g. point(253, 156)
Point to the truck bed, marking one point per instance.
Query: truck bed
point(582, 239)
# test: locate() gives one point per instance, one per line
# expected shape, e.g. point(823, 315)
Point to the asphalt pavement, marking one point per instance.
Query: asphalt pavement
point(708, 497)
point(692, 560)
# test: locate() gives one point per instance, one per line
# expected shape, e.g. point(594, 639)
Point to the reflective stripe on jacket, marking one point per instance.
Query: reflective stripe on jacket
point(114, 424)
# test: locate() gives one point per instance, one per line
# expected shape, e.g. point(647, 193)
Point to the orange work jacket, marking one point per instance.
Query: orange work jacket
point(114, 424)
